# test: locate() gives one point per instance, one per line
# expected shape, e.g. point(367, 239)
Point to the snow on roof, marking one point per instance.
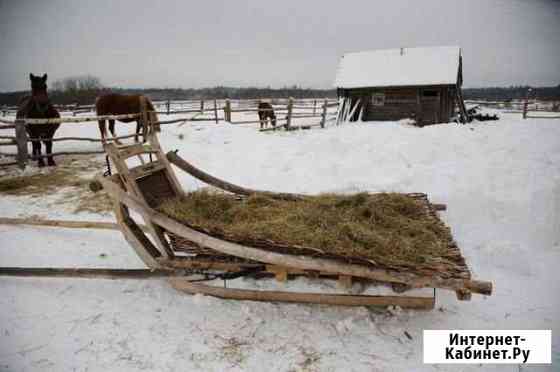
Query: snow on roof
point(399, 67)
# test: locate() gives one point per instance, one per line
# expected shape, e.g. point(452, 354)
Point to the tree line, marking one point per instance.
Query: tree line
point(84, 89)
point(513, 93)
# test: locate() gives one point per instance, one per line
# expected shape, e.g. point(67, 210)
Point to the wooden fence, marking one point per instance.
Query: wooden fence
point(523, 107)
point(289, 109)
point(21, 139)
point(211, 109)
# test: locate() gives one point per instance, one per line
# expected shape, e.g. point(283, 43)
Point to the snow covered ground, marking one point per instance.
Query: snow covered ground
point(500, 181)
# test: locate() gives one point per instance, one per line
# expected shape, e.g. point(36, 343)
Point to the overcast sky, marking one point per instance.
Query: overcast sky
point(138, 43)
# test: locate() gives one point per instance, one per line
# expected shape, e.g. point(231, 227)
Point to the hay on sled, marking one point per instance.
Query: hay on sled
point(396, 239)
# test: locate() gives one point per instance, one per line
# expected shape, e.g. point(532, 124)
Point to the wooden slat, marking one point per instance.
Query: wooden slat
point(145, 169)
point(63, 272)
point(423, 303)
point(133, 150)
point(59, 223)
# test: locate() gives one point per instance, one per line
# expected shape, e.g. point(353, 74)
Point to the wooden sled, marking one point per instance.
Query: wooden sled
point(166, 244)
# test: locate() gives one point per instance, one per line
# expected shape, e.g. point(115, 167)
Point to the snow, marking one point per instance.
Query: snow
point(500, 181)
point(399, 67)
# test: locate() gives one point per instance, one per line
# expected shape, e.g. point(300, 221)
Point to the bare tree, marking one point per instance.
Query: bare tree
point(77, 89)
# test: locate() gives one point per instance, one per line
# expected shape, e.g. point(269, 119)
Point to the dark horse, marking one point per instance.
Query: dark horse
point(266, 112)
point(38, 106)
point(120, 104)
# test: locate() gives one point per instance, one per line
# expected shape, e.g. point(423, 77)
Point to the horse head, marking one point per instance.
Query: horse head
point(39, 89)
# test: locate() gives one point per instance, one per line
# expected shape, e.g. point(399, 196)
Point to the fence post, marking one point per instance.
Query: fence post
point(314, 106)
point(216, 111)
point(289, 116)
point(168, 104)
point(324, 114)
point(21, 139)
point(526, 104)
point(227, 111)
point(201, 106)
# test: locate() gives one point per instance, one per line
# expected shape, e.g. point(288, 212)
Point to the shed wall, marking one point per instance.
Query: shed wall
point(425, 104)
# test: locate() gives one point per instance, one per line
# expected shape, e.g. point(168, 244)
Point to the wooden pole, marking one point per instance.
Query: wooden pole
point(199, 174)
point(409, 302)
point(314, 106)
point(21, 139)
point(289, 115)
point(61, 223)
point(216, 111)
point(526, 104)
point(227, 111)
point(62, 272)
point(168, 104)
point(324, 114)
point(201, 106)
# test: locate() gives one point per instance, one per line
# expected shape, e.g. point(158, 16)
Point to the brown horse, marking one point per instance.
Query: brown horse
point(120, 104)
point(38, 106)
point(266, 112)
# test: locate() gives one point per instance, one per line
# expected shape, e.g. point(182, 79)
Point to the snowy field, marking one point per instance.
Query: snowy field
point(500, 181)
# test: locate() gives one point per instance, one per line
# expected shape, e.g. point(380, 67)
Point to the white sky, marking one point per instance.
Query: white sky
point(138, 43)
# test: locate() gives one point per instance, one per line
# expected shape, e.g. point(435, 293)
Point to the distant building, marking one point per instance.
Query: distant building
point(419, 83)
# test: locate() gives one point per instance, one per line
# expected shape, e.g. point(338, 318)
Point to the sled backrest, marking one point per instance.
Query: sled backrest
point(153, 180)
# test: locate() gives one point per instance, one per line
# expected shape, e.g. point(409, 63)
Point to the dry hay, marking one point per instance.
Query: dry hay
point(387, 229)
point(70, 179)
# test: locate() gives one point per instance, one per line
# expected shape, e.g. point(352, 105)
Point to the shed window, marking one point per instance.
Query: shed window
point(430, 93)
point(378, 99)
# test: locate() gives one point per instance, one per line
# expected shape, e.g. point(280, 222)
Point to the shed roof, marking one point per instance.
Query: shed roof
point(399, 67)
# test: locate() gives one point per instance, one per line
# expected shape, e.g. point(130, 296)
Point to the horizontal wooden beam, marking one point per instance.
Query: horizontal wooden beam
point(61, 223)
point(63, 272)
point(421, 303)
point(197, 173)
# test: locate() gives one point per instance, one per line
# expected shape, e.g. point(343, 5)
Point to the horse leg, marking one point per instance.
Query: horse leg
point(48, 149)
point(112, 130)
point(139, 127)
point(102, 130)
point(36, 146)
point(40, 161)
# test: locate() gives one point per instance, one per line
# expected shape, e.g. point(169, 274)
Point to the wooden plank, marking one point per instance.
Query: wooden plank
point(181, 163)
point(134, 150)
point(21, 139)
point(137, 239)
point(80, 119)
point(324, 114)
point(227, 111)
point(345, 281)
point(289, 115)
point(179, 262)
point(59, 223)
point(145, 169)
point(216, 112)
point(421, 303)
point(78, 139)
point(63, 272)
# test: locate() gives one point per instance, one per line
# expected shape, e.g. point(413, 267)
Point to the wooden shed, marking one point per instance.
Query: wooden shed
point(392, 84)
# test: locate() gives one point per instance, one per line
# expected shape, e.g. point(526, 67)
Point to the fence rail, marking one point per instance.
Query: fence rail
point(293, 109)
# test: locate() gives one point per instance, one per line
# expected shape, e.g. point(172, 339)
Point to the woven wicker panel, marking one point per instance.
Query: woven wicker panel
point(155, 187)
